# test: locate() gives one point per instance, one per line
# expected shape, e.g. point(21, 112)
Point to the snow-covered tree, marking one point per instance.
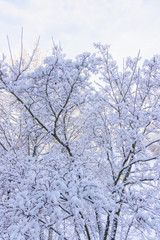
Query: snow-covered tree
point(80, 148)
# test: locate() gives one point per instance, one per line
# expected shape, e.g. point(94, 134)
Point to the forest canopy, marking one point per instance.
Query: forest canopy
point(79, 143)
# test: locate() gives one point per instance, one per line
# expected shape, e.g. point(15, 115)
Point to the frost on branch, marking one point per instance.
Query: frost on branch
point(80, 160)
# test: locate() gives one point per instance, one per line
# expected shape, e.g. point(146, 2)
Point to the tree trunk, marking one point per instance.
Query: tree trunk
point(107, 228)
point(115, 225)
point(50, 234)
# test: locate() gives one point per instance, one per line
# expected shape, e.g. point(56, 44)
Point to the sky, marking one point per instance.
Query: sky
point(127, 25)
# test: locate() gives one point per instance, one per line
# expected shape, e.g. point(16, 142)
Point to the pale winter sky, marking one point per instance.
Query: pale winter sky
point(126, 25)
